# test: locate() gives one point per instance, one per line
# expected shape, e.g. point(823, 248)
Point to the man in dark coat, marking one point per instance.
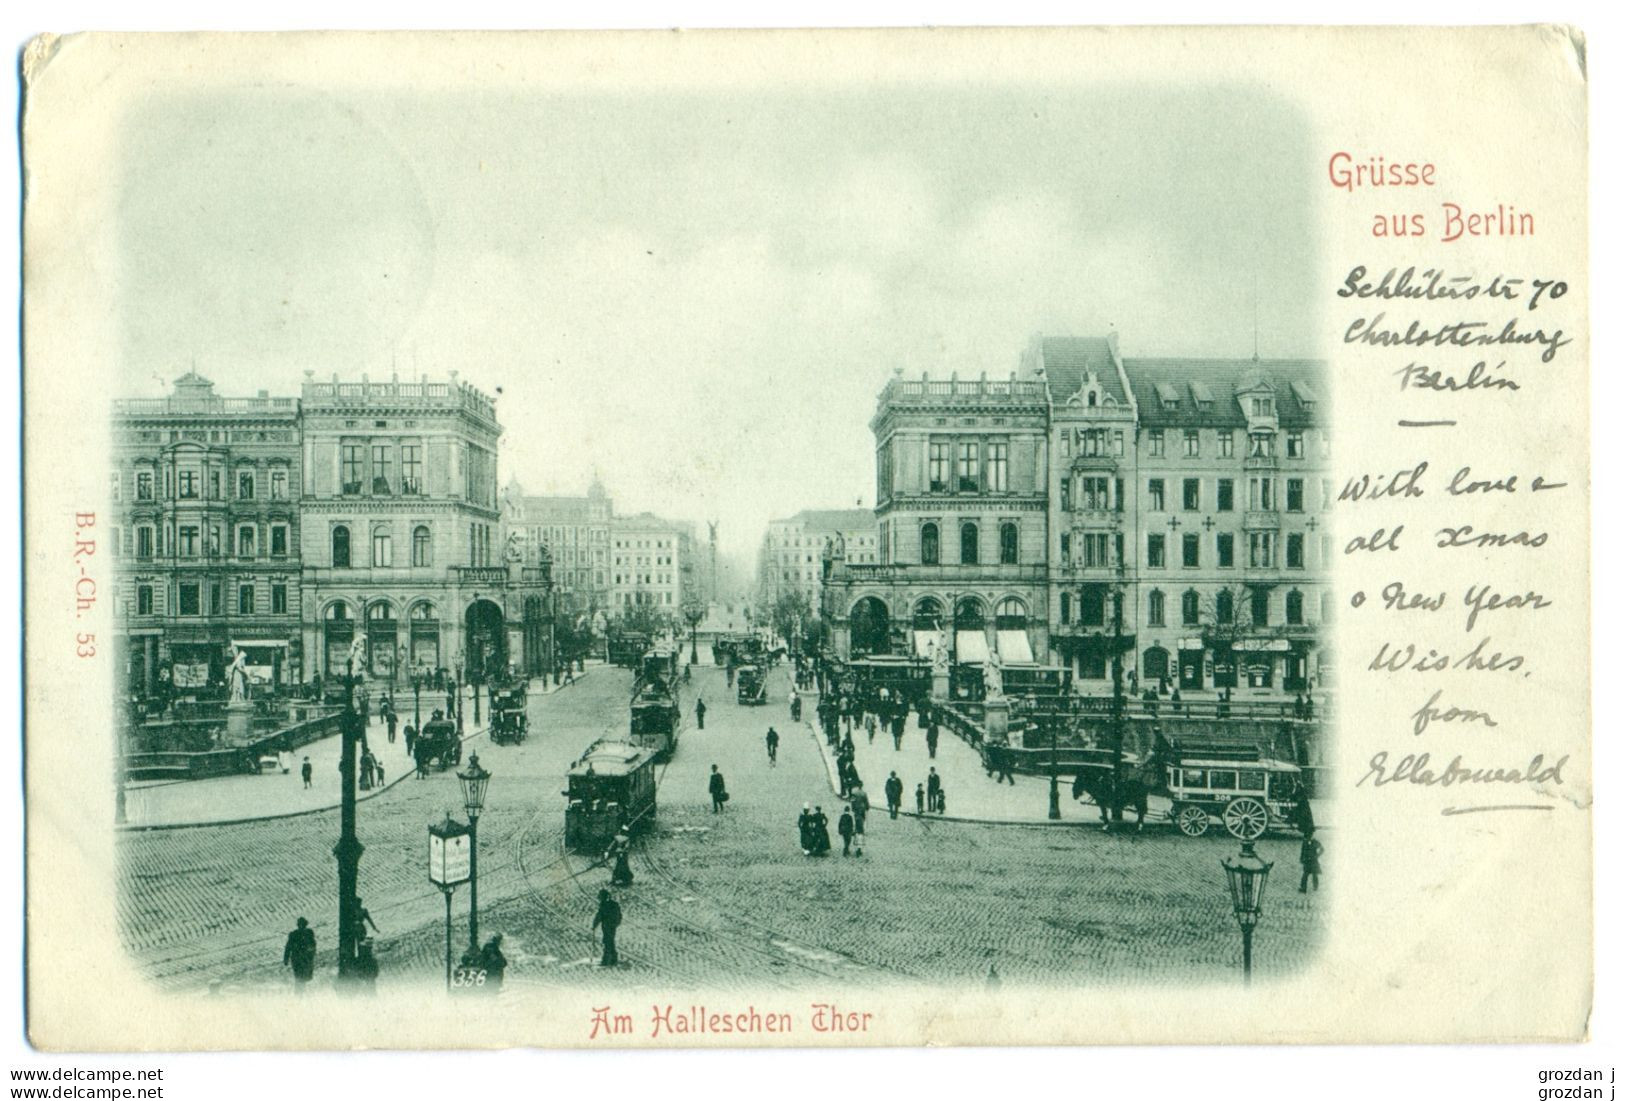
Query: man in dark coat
point(933, 787)
point(300, 954)
point(846, 828)
point(772, 747)
point(699, 713)
point(931, 740)
point(719, 791)
point(1309, 858)
point(304, 772)
point(820, 830)
point(894, 794)
point(608, 919)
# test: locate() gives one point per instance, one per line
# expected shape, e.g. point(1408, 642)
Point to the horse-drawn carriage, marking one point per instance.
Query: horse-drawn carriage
point(1237, 785)
point(752, 682)
point(437, 745)
point(509, 722)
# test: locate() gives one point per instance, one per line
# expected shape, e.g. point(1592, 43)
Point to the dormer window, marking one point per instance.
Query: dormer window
point(1168, 396)
point(1202, 396)
point(1263, 407)
point(1305, 396)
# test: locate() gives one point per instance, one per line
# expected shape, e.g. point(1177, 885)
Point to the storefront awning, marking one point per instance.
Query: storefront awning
point(972, 646)
point(923, 641)
point(1013, 646)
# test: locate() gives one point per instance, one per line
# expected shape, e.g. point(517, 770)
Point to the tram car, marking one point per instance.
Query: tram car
point(902, 677)
point(751, 682)
point(657, 713)
point(1247, 793)
point(626, 648)
point(610, 787)
point(509, 722)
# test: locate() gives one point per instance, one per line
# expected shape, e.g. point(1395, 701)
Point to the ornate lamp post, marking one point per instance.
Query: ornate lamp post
point(349, 848)
point(474, 780)
point(1247, 874)
point(417, 699)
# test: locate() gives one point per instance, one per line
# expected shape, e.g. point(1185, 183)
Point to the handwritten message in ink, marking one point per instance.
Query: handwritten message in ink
point(1446, 547)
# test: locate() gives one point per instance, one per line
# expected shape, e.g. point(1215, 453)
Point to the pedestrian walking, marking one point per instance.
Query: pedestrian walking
point(860, 803)
point(411, 735)
point(304, 772)
point(699, 713)
point(719, 791)
point(284, 761)
point(894, 794)
point(299, 953)
point(1309, 858)
point(390, 719)
point(942, 800)
point(608, 919)
point(869, 726)
point(998, 759)
point(493, 963)
point(845, 828)
point(933, 788)
point(772, 747)
point(931, 740)
point(820, 832)
point(919, 799)
point(618, 856)
point(362, 920)
point(804, 824)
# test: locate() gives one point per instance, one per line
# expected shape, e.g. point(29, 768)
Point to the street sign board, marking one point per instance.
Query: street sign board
point(448, 854)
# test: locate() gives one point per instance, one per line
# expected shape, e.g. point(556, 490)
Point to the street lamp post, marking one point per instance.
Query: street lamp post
point(1054, 771)
point(417, 699)
point(349, 848)
point(474, 780)
point(1247, 875)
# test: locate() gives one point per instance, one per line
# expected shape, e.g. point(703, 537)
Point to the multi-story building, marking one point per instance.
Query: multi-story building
point(1167, 509)
point(576, 532)
point(206, 492)
point(791, 557)
point(401, 533)
point(651, 563)
point(960, 512)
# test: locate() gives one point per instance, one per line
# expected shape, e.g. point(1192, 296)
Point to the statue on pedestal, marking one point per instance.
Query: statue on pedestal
point(939, 653)
point(993, 677)
point(237, 679)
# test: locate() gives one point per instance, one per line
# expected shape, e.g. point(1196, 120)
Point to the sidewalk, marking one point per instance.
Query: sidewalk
point(161, 804)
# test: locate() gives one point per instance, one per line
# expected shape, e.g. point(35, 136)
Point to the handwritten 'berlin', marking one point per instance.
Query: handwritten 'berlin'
point(1413, 768)
point(1462, 334)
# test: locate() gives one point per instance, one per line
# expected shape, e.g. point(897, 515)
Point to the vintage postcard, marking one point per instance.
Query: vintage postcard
point(800, 539)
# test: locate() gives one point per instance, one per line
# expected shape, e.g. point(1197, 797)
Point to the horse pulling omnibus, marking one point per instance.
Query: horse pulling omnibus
point(1236, 785)
point(610, 787)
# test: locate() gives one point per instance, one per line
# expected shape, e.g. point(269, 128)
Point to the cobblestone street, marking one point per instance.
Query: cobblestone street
point(723, 899)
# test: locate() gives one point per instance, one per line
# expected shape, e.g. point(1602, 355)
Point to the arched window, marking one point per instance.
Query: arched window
point(1010, 615)
point(1156, 608)
point(1007, 544)
point(968, 540)
point(930, 545)
point(1294, 608)
point(1190, 608)
point(341, 546)
point(1225, 604)
point(928, 614)
point(420, 545)
point(383, 550)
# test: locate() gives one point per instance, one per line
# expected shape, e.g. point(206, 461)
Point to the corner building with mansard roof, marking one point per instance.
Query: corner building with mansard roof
point(1171, 509)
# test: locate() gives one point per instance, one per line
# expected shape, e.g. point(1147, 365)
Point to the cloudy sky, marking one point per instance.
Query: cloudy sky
point(700, 296)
